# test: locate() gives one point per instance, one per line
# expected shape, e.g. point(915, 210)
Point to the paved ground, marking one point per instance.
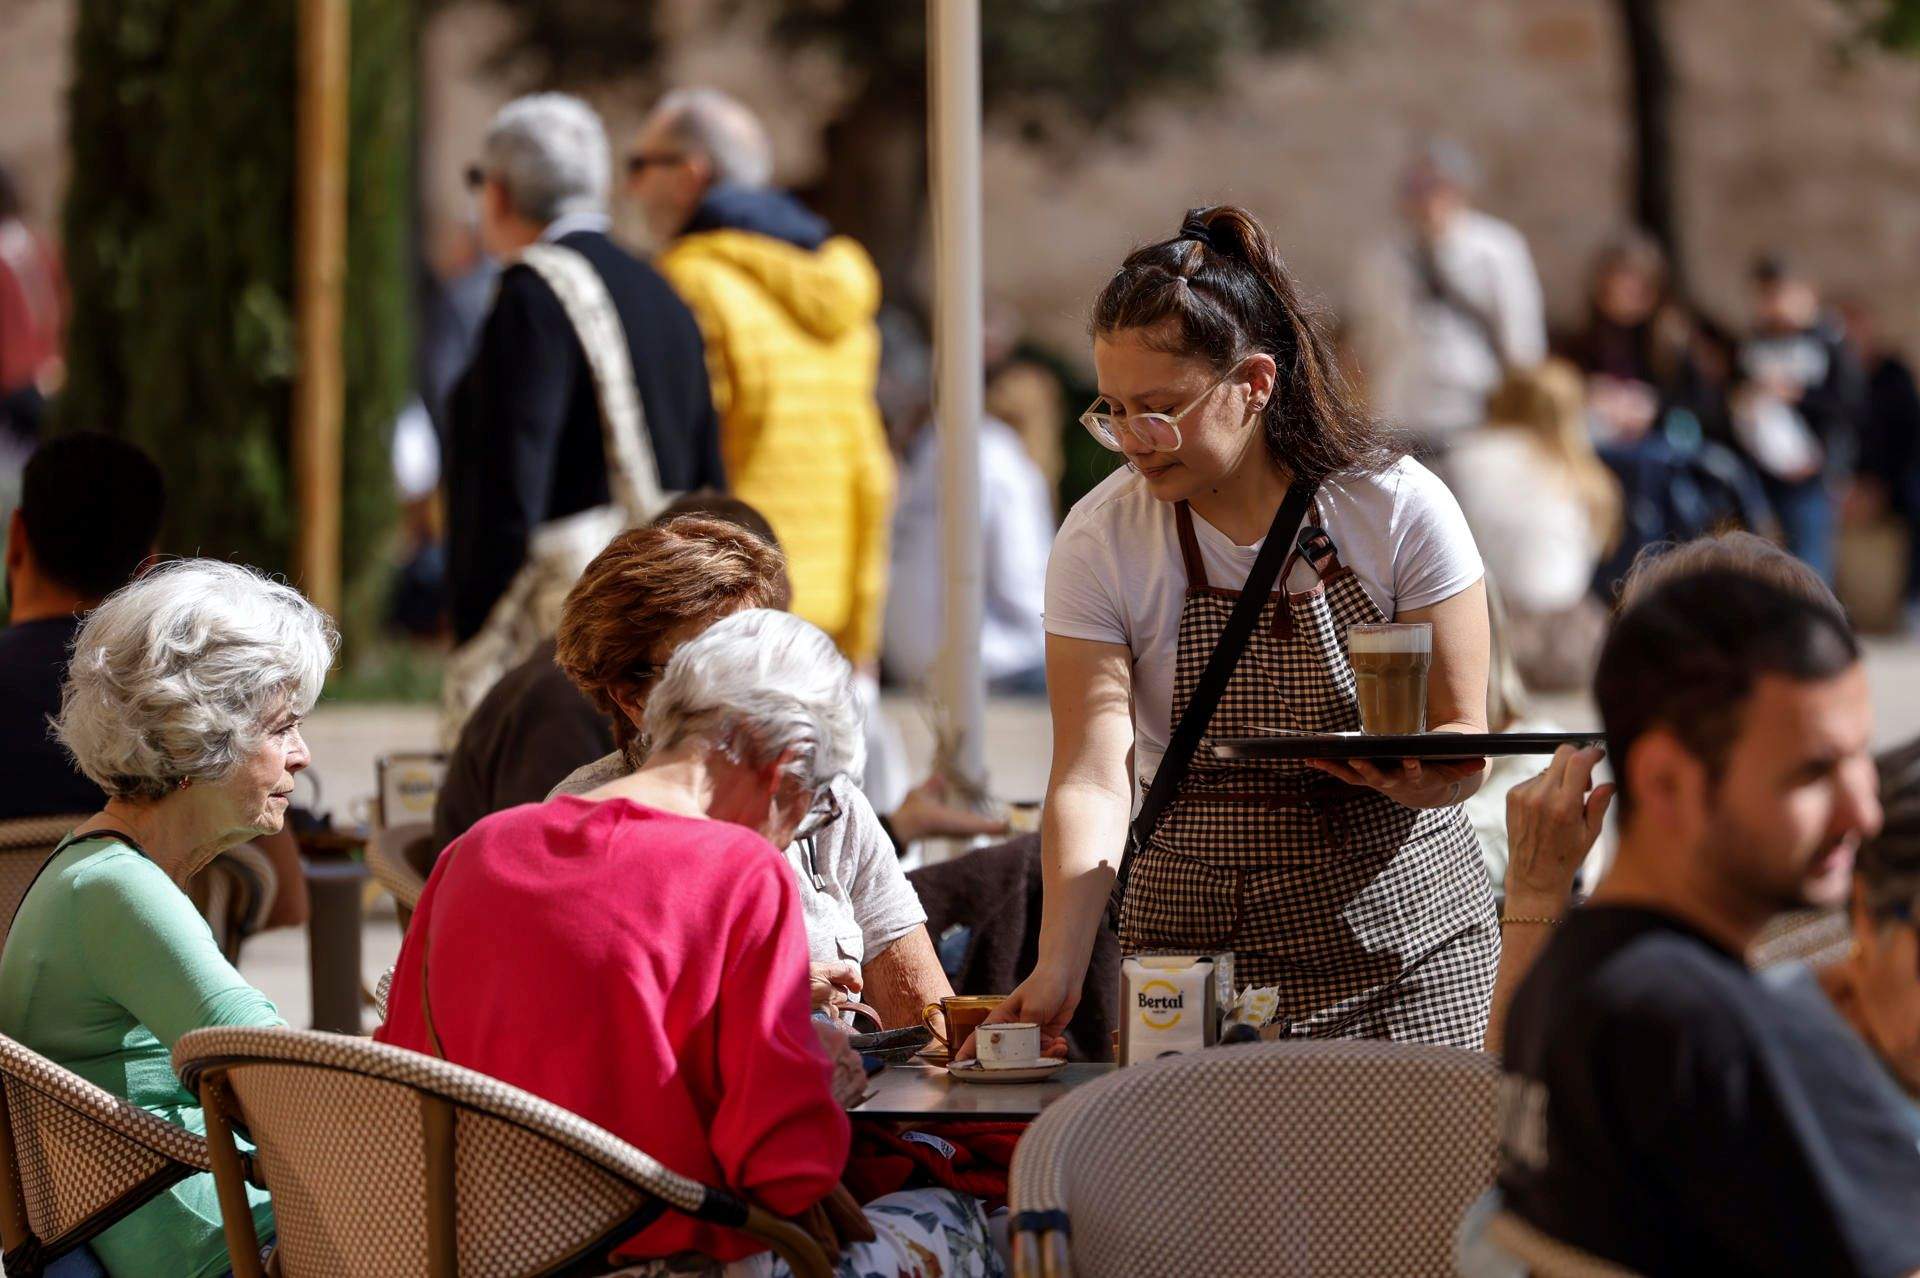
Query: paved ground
point(346, 739)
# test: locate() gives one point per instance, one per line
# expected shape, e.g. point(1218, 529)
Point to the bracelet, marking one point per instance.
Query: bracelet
point(1542, 919)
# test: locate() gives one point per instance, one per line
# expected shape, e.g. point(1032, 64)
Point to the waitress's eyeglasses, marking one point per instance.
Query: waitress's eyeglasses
point(1112, 425)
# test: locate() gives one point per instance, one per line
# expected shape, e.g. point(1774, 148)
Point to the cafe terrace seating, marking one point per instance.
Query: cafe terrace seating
point(25, 845)
point(384, 1162)
point(74, 1159)
point(1327, 1158)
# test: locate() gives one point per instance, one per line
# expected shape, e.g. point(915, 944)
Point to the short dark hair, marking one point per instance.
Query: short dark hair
point(1686, 655)
point(91, 505)
point(718, 505)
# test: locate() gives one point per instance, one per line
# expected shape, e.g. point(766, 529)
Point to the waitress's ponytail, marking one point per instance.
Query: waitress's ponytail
point(1218, 291)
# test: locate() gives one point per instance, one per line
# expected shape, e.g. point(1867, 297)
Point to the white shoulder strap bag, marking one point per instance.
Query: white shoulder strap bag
point(559, 551)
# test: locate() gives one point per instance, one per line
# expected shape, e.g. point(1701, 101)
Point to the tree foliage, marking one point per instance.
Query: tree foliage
point(179, 240)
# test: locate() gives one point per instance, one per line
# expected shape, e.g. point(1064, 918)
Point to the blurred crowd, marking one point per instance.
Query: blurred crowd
point(1647, 420)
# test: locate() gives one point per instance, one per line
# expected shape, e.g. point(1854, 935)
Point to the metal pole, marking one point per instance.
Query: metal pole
point(953, 68)
point(320, 243)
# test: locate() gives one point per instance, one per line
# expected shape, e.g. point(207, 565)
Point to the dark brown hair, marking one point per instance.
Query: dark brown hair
point(1217, 291)
point(650, 582)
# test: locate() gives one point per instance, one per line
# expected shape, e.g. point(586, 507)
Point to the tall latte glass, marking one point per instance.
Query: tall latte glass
point(1390, 664)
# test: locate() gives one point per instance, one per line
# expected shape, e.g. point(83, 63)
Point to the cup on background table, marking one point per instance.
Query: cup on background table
point(963, 1014)
point(1390, 665)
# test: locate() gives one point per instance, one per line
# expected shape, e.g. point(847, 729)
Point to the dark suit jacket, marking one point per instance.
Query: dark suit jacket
point(525, 440)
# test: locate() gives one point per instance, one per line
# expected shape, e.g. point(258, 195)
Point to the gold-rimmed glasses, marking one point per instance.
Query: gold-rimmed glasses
point(1107, 422)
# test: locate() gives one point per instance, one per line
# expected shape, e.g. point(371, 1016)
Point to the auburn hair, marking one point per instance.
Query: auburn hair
point(1218, 291)
point(650, 582)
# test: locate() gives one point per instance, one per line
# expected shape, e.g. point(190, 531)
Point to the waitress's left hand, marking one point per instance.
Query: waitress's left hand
point(1411, 783)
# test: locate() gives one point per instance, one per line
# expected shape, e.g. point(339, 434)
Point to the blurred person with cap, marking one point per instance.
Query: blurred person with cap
point(1448, 307)
point(1798, 414)
point(526, 446)
point(788, 310)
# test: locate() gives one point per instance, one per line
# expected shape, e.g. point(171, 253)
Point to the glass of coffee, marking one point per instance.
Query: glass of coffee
point(1390, 664)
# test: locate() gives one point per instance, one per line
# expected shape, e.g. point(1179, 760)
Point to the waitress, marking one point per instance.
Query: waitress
point(1356, 889)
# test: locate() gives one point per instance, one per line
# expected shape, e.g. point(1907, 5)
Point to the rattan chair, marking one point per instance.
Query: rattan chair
point(25, 845)
point(1813, 937)
point(383, 1161)
point(1305, 1157)
point(394, 854)
point(75, 1159)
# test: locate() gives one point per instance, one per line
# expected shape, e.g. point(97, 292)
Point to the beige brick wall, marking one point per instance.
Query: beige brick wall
point(1781, 141)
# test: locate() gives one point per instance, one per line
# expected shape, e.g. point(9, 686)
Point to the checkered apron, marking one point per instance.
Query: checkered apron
point(1373, 920)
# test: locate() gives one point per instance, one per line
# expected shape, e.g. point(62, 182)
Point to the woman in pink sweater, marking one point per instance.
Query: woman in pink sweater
point(638, 955)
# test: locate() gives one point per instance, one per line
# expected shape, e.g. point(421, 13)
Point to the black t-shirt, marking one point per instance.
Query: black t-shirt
point(37, 777)
point(1667, 1111)
point(529, 731)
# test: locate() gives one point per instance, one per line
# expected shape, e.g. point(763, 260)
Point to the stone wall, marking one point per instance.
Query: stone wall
point(1782, 141)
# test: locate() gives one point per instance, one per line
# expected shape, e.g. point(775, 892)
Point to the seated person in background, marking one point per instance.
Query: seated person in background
point(90, 510)
point(89, 514)
point(638, 954)
point(645, 595)
point(1664, 1110)
point(534, 726)
point(183, 703)
point(1876, 987)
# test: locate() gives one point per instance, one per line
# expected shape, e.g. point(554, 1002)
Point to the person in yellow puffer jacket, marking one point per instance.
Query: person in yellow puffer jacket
point(788, 313)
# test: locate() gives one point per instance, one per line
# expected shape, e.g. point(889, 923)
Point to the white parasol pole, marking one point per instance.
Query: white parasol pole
point(959, 375)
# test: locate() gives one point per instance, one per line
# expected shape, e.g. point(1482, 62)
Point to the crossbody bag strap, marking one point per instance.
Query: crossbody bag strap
point(633, 472)
point(1192, 727)
point(426, 1004)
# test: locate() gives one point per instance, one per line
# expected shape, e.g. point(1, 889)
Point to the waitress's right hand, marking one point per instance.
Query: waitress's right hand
point(1048, 998)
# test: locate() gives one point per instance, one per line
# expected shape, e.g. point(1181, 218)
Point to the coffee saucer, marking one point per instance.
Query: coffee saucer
point(972, 1071)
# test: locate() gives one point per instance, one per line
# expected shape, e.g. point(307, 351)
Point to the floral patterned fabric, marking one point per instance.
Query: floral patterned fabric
point(922, 1233)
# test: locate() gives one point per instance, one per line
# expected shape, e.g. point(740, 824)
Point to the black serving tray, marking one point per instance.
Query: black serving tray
point(1425, 745)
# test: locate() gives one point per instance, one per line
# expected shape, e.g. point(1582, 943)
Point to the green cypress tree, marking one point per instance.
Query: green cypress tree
point(179, 229)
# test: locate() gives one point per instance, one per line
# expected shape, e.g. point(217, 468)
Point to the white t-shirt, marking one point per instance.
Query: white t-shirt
point(1116, 575)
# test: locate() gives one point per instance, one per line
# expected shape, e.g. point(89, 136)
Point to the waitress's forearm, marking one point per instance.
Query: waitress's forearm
point(1082, 836)
point(1469, 785)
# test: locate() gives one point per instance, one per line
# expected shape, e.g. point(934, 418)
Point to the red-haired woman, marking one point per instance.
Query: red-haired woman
point(1355, 889)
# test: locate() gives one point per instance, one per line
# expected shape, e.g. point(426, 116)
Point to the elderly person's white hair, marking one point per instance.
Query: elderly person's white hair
point(179, 675)
point(723, 129)
point(759, 683)
point(549, 152)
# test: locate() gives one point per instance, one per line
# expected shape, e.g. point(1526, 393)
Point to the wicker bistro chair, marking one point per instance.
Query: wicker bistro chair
point(75, 1159)
point(394, 860)
point(1305, 1157)
point(25, 845)
point(383, 1161)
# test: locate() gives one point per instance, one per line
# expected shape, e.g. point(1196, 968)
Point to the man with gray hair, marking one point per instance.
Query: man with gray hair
point(526, 445)
point(788, 311)
point(1448, 307)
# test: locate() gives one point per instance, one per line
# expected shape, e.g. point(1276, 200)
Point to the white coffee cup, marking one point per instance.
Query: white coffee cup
point(1014, 1045)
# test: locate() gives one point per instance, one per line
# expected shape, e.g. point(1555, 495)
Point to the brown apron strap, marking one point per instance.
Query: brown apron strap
point(1190, 547)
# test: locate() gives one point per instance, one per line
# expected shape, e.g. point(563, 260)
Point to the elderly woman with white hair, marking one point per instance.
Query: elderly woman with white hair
point(183, 702)
point(638, 955)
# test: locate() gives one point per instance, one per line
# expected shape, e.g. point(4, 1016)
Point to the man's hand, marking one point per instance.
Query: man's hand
point(928, 813)
point(1553, 822)
point(830, 983)
point(849, 1075)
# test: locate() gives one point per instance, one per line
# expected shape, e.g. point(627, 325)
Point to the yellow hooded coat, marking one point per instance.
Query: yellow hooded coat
point(794, 354)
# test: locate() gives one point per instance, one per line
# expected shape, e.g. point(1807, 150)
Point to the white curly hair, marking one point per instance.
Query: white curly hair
point(179, 675)
point(760, 683)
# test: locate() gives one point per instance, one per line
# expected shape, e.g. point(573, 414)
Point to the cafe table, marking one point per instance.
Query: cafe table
point(904, 1093)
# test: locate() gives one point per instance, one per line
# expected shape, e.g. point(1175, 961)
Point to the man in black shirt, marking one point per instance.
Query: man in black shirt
point(1663, 1109)
point(89, 513)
